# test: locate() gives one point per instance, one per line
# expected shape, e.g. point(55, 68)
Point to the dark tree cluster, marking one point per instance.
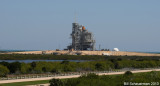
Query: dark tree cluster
point(66, 66)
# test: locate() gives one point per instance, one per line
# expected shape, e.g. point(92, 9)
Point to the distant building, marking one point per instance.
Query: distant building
point(81, 38)
point(115, 49)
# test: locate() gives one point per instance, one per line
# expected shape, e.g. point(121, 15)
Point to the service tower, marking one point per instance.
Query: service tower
point(81, 38)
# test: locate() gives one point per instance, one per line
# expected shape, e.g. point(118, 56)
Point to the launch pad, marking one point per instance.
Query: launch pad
point(82, 39)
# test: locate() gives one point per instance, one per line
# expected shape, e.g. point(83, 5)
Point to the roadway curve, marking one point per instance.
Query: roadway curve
point(72, 76)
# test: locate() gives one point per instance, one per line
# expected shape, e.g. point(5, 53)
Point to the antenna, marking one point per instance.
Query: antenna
point(75, 14)
point(99, 47)
point(59, 46)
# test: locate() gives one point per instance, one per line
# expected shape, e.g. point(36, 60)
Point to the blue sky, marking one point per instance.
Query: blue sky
point(130, 25)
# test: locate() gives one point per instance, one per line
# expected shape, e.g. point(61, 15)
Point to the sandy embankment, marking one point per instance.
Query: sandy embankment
point(114, 53)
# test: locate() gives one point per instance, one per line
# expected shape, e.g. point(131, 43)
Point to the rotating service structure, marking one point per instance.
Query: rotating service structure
point(82, 39)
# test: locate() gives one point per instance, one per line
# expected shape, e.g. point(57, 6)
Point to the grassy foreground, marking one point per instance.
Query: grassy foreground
point(152, 78)
point(127, 79)
point(26, 83)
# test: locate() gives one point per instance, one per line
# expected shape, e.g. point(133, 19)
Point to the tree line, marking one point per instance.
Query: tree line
point(66, 66)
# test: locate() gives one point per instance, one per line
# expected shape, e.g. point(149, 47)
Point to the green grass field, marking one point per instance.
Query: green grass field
point(108, 80)
point(26, 83)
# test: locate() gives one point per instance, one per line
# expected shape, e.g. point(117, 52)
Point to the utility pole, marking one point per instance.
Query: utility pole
point(99, 47)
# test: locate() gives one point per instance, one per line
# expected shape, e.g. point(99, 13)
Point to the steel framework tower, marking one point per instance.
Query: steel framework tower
point(81, 38)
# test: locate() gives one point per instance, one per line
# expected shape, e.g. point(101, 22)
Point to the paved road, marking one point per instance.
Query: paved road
point(72, 76)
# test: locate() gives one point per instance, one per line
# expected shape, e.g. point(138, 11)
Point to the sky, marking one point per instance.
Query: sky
point(130, 25)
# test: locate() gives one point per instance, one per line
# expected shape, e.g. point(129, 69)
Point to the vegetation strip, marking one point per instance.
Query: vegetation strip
point(72, 76)
point(127, 79)
point(26, 83)
point(70, 57)
point(17, 68)
point(104, 80)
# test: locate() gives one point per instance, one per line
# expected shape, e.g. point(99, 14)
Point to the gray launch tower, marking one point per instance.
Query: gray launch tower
point(81, 38)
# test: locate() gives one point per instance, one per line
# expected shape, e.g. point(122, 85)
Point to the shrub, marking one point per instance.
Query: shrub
point(3, 71)
point(56, 82)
